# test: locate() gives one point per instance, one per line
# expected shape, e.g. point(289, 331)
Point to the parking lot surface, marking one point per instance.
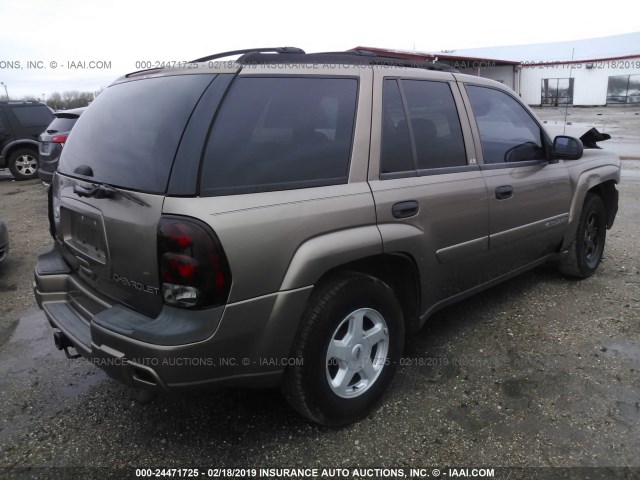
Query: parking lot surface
point(539, 371)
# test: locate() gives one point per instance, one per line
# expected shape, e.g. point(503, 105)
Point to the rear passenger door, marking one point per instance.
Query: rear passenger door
point(529, 197)
point(31, 120)
point(430, 196)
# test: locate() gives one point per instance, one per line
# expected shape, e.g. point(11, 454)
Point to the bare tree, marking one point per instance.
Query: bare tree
point(70, 99)
point(55, 101)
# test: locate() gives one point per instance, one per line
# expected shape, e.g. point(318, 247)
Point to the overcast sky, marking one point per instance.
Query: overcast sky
point(54, 33)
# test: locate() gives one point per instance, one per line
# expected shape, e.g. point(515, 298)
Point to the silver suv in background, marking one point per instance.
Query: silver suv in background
point(52, 141)
point(289, 218)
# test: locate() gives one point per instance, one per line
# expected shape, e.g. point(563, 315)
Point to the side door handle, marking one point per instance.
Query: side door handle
point(504, 192)
point(405, 209)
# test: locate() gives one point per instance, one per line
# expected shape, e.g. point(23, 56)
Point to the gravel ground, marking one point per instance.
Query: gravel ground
point(540, 371)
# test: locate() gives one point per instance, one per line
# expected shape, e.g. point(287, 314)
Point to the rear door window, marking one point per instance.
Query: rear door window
point(130, 133)
point(278, 133)
point(432, 139)
point(435, 123)
point(397, 153)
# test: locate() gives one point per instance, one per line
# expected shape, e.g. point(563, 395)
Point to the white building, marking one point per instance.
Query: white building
point(599, 71)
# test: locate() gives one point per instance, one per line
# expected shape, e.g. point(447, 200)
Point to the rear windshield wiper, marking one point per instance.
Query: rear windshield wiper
point(105, 191)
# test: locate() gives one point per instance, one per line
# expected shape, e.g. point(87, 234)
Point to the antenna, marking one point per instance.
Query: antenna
point(566, 108)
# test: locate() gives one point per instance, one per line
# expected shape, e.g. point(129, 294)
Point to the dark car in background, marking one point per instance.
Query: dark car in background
point(52, 141)
point(20, 125)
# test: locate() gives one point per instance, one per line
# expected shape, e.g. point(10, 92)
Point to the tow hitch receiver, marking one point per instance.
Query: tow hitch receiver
point(63, 343)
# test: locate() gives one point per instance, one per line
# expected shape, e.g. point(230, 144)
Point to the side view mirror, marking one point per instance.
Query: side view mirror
point(568, 148)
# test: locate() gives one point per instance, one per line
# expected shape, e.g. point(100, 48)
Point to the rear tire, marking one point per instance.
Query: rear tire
point(350, 343)
point(23, 164)
point(586, 250)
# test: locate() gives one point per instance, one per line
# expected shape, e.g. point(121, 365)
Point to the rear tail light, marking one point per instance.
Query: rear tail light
point(61, 139)
point(194, 272)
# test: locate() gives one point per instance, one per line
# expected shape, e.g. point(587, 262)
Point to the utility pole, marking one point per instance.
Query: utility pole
point(5, 90)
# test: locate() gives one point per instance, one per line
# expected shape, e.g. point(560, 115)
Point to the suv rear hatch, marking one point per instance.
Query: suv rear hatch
point(55, 136)
point(113, 175)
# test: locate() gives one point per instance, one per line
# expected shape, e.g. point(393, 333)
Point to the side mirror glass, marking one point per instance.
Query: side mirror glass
point(568, 148)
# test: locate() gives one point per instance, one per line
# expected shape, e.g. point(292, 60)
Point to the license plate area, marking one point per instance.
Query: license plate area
point(84, 233)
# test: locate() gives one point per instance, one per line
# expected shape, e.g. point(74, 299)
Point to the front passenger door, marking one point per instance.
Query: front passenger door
point(529, 197)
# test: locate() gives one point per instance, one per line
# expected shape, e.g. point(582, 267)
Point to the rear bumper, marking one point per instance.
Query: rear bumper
point(249, 346)
point(47, 166)
point(45, 175)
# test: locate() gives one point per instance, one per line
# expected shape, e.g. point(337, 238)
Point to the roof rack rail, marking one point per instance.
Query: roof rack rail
point(359, 57)
point(249, 50)
point(427, 64)
point(143, 72)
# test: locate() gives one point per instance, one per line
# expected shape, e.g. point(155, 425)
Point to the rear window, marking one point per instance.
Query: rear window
point(36, 116)
point(62, 124)
point(280, 133)
point(130, 133)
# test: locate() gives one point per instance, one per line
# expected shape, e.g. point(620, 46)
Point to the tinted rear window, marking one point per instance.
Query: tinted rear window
point(36, 116)
point(281, 133)
point(436, 126)
point(130, 133)
point(397, 153)
point(61, 125)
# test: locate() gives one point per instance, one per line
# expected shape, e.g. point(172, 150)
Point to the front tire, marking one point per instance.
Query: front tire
point(586, 250)
point(23, 164)
point(350, 344)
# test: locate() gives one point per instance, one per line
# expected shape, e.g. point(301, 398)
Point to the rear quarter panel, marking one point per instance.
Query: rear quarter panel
point(261, 233)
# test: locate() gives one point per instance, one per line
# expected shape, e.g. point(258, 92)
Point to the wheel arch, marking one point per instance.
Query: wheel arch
point(609, 195)
point(13, 146)
point(601, 181)
point(398, 270)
